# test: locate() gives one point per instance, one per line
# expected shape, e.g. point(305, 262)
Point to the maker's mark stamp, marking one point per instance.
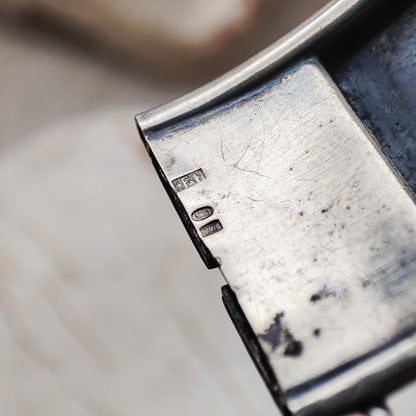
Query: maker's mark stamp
point(188, 180)
point(211, 228)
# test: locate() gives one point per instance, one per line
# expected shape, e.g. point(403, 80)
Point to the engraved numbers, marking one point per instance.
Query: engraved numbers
point(211, 228)
point(202, 213)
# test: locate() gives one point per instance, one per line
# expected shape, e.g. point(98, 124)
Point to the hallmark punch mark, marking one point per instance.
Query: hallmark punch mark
point(203, 213)
point(188, 180)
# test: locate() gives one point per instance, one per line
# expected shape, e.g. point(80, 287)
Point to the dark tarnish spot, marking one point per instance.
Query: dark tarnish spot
point(322, 294)
point(293, 348)
point(273, 333)
point(317, 332)
point(365, 283)
point(278, 334)
point(203, 213)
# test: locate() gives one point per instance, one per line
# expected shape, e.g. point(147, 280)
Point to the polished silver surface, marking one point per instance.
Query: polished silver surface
point(312, 229)
point(281, 185)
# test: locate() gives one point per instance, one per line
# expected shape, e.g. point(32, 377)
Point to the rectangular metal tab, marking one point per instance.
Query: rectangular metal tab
point(313, 230)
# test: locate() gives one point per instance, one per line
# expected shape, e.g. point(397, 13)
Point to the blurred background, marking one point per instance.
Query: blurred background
point(105, 307)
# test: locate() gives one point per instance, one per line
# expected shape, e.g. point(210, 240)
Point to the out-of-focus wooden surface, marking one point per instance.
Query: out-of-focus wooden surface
point(105, 307)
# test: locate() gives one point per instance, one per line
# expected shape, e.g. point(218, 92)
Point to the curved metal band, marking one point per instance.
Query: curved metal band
point(333, 16)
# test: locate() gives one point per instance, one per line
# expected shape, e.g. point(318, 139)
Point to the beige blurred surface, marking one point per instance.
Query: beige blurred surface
point(105, 307)
point(163, 33)
point(180, 39)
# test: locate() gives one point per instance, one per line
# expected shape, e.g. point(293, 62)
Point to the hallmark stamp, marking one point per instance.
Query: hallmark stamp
point(202, 213)
point(211, 228)
point(188, 180)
